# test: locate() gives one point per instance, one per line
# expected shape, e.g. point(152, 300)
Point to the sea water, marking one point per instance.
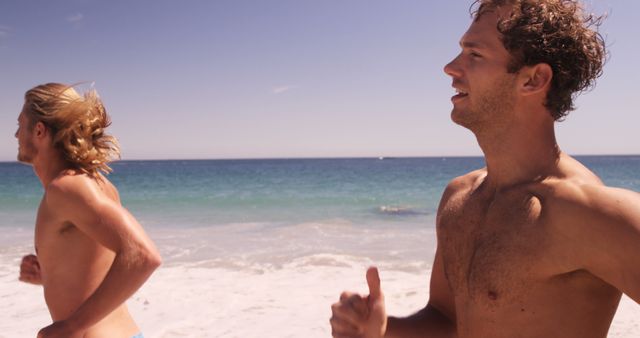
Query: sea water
point(240, 238)
point(280, 209)
point(266, 210)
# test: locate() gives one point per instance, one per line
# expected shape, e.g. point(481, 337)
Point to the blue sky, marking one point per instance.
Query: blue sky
point(283, 78)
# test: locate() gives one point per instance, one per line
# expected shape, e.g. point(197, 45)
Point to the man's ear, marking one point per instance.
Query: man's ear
point(40, 130)
point(536, 78)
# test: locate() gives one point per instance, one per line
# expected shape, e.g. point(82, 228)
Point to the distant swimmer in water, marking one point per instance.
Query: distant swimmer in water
point(534, 244)
point(91, 253)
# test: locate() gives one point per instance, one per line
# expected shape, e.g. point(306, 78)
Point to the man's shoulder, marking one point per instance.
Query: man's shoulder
point(466, 181)
point(579, 202)
point(460, 186)
point(589, 194)
point(572, 183)
point(75, 187)
point(587, 221)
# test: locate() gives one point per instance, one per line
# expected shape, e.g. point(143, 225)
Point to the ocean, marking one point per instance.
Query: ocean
point(248, 226)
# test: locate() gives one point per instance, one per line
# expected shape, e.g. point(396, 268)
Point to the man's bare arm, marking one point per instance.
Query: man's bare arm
point(107, 222)
point(602, 225)
point(352, 315)
point(364, 316)
point(437, 319)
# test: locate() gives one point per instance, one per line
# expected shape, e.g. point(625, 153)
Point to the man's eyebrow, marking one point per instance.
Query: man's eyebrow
point(472, 44)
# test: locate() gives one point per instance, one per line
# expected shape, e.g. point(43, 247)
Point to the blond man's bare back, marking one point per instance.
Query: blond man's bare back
point(518, 261)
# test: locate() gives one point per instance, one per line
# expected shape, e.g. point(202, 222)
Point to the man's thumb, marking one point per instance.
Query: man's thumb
point(373, 280)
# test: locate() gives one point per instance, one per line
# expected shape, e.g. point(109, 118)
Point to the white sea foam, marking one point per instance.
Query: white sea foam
point(400, 210)
point(259, 280)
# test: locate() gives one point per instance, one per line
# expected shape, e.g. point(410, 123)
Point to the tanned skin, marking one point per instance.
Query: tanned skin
point(91, 253)
point(533, 245)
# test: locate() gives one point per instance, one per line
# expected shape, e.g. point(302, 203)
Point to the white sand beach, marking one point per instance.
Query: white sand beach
point(194, 300)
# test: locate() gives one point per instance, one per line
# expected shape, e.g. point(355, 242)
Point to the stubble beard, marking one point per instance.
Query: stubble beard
point(26, 153)
point(490, 109)
point(22, 158)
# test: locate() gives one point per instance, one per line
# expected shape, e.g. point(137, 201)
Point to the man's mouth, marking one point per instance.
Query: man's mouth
point(459, 95)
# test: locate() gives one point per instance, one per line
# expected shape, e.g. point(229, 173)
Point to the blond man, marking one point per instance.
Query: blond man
point(91, 253)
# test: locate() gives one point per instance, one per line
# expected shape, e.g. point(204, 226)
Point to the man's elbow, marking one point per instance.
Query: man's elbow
point(142, 258)
point(152, 259)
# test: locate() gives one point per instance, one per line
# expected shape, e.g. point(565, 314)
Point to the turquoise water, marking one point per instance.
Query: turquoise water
point(247, 212)
point(215, 192)
point(275, 237)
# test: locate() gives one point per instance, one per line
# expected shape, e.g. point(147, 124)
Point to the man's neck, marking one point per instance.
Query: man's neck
point(49, 166)
point(520, 154)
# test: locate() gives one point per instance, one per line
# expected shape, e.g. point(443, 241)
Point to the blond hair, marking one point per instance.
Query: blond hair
point(77, 124)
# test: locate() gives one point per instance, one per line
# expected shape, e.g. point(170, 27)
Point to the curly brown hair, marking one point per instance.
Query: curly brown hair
point(77, 125)
point(555, 32)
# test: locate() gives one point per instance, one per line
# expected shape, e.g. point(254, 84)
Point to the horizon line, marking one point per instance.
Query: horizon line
point(331, 158)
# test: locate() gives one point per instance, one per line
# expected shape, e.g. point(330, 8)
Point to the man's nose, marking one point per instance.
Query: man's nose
point(452, 68)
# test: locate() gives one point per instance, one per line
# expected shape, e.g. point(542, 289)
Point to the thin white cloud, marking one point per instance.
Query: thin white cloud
point(75, 18)
point(4, 31)
point(282, 89)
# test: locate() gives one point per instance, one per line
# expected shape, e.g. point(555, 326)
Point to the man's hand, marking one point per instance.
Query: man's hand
point(30, 270)
point(356, 316)
point(59, 329)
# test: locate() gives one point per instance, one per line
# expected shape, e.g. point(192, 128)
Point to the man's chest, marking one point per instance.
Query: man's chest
point(53, 234)
point(492, 250)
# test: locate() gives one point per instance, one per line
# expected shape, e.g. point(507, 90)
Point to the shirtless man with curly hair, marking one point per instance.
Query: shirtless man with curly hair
point(91, 253)
point(533, 245)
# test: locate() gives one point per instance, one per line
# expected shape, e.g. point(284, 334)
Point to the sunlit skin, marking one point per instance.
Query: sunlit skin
point(533, 245)
point(91, 253)
point(485, 95)
point(26, 149)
